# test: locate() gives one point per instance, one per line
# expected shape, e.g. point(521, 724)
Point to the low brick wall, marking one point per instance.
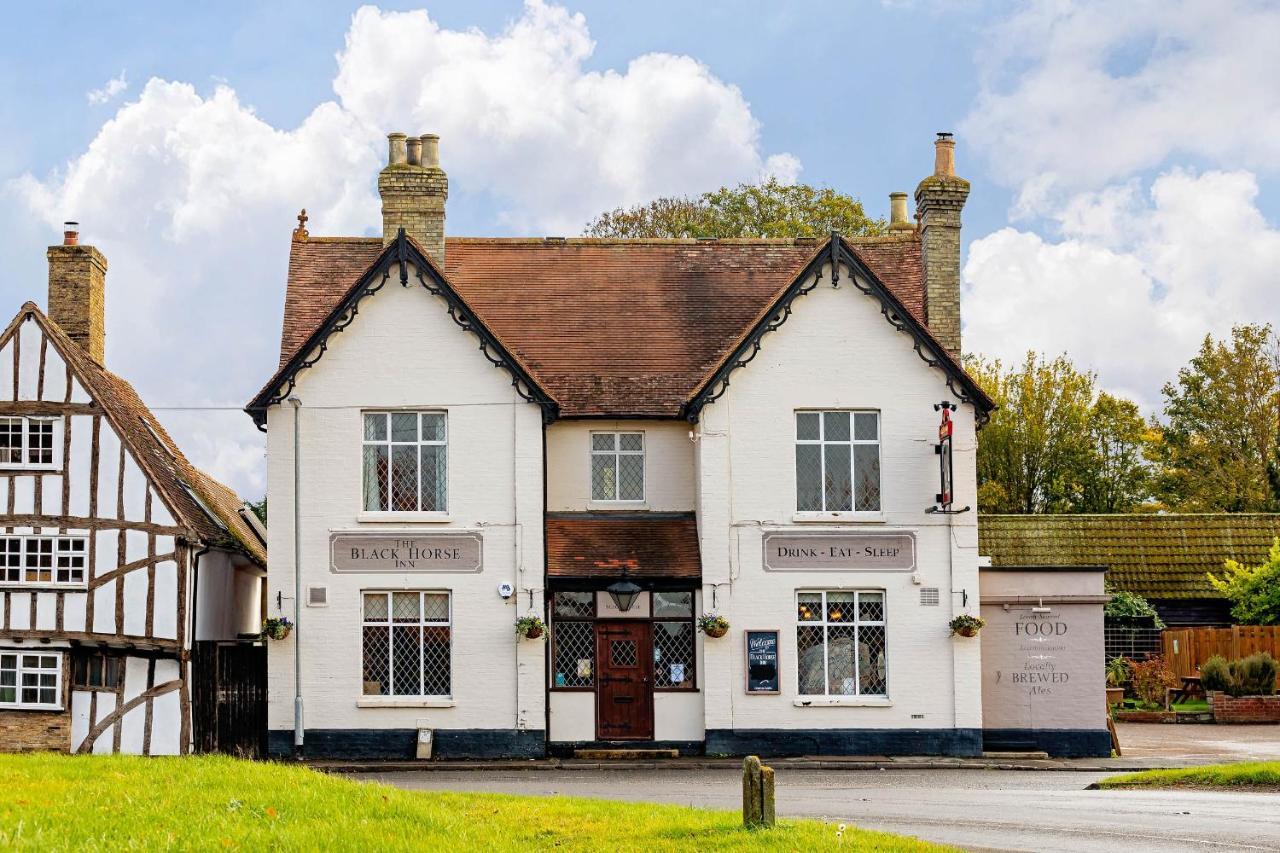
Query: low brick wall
point(1244, 709)
point(23, 731)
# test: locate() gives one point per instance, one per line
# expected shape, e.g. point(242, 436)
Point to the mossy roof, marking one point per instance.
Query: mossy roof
point(1156, 556)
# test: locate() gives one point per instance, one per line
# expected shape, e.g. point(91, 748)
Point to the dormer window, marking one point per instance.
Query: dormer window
point(30, 443)
point(617, 467)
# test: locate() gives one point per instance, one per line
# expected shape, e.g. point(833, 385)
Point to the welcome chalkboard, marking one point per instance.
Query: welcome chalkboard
point(762, 661)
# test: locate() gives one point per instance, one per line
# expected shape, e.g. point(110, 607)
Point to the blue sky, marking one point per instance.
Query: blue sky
point(1123, 156)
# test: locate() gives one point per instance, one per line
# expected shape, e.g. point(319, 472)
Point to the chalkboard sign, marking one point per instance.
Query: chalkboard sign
point(762, 661)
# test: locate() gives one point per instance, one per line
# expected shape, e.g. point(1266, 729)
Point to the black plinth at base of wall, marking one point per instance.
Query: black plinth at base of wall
point(781, 742)
point(1060, 743)
point(402, 744)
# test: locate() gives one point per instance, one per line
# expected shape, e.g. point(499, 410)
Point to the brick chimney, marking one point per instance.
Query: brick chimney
point(414, 189)
point(939, 200)
point(77, 291)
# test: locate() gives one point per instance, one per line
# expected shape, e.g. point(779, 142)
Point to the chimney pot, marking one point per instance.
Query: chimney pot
point(898, 218)
point(397, 152)
point(944, 155)
point(431, 151)
point(70, 233)
point(414, 146)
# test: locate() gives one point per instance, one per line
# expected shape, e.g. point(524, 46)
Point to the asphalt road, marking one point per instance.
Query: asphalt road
point(975, 809)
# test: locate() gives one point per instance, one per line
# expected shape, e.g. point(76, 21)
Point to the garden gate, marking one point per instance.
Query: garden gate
point(229, 698)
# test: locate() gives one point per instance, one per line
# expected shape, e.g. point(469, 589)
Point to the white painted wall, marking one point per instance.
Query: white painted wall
point(836, 351)
point(403, 351)
point(669, 482)
point(228, 600)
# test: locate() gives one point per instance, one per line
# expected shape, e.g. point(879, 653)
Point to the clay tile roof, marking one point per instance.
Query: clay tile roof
point(605, 326)
point(1156, 556)
point(601, 545)
point(200, 503)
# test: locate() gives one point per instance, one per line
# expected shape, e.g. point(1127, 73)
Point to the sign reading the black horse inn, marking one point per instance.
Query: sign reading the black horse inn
point(839, 551)
point(360, 551)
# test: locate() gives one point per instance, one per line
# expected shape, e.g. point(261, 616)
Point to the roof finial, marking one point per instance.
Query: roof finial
point(300, 233)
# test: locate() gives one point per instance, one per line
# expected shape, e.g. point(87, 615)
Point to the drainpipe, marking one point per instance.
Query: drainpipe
point(297, 585)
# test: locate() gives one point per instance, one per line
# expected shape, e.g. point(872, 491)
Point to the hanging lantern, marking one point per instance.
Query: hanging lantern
point(623, 593)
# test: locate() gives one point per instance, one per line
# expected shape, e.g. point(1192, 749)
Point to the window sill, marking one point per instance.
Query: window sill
point(37, 469)
point(44, 587)
point(19, 706)
point(393, 517)
point(864, 517)
point(843, 702)
point(617, 505)
point(405, 702)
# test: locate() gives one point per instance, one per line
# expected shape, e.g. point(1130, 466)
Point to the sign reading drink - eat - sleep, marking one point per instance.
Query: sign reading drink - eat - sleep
point(405, 552)
point(848, 551)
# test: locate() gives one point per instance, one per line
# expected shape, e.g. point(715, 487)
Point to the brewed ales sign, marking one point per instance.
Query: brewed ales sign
point(895, 552)
point(360, 551)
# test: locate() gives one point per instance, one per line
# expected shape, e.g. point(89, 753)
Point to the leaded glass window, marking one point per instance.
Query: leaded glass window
point(840, 643)
point(407, 644)
point(406, 462)
point(617, 466)
point(838, 461)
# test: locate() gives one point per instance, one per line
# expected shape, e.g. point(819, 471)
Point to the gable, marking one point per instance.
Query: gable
point(607, 327)
point(839, 266)
point(140, 474)
point(403, 264)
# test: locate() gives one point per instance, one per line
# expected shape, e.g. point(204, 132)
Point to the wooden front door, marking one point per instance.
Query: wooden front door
point(624, 683)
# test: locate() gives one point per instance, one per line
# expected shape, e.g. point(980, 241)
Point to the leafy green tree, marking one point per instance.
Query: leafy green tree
point(1057, 444)
point(1116, 477)
point(767, 209)
point(259, 508)
point(1220, 429)
point(1254, 591)
point(1127, 605)
point(1031, 452)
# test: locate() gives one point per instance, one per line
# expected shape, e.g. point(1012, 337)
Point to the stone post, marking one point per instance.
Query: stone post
point(757, 794)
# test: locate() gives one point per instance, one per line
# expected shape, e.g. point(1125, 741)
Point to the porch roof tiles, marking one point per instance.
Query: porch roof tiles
point(648, 546)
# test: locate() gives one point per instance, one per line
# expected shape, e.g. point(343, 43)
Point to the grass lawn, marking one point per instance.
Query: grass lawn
point(1255, 775)
point(60, 802)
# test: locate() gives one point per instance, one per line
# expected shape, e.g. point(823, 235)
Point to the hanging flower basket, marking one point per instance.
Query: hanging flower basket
point(713, 625)
point(966, 625)
point(277, 629)
point(531, 627)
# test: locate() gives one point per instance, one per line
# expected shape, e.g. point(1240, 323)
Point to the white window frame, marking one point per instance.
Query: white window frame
point(55, 455)
point(839, 514)
point(826, 696)
point(441, 514)
point(21, 668)
point(617, 453)
point(405, 699)
point(61, 548)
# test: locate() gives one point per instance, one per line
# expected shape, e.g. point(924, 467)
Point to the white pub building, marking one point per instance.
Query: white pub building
point(620, 437)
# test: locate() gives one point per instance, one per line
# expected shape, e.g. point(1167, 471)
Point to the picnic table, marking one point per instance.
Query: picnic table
point(1190, 687)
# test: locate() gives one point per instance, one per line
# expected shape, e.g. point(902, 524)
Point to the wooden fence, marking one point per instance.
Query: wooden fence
point(1185, 649)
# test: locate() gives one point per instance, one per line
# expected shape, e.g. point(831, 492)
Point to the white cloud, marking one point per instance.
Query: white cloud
point(1076, 96)
point(1135, 283)
point(192, 195)
point(109, 90)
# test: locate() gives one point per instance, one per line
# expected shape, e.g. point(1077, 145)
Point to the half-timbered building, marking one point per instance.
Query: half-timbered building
point(116, 554)
point(620, 437)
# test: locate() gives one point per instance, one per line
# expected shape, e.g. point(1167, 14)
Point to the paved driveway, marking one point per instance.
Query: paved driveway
point(1186, 743)
point(976, 809)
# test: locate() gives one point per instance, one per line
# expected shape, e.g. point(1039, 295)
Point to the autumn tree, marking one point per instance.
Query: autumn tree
point(767, 209)
point(1056, 444)
point(1219, 435)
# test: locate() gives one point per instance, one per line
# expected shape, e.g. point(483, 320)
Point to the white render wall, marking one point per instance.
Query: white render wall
point(668, 461)
point(404, 351)
point(837, 351)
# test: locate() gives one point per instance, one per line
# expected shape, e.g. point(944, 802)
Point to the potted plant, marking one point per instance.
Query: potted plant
point(1117, 675)
point(530, 627)
point(965, 625)
point(276, 629)
point(713, 625)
